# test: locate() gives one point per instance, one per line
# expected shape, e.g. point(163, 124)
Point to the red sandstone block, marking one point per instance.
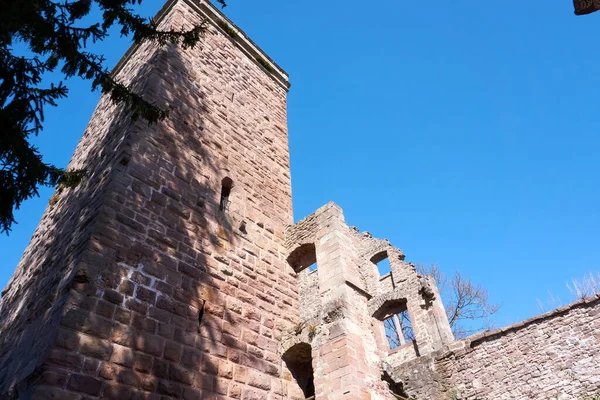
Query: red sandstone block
point(173, 351)
point(259, 380)
point(63, 358)
point(146, 295)
point(52, 378)
point(256, 352)
point(123, 335)
point(254, 394)
point(108, 371)
point(86, 322)
point(185, 338)
point(240, 374)
point(90, 366)
point(143, 363)
point(192, 394)
point(192, 358)
point(222, 386)
point(210, 365)
point(225, 369)
point(181, 375)
point(235, 390)
point(128, 377)
point(161, 369)
point(164, 330)
point(150, 344)
point(116, 392)
point(105, 309)
point(113, 296)
point(122, 356)
point(94, 347)
point(85, 384)
point(52, 393)
point(67, 339)
point(204, 381)
point(123, 316)
point(143, 323)
point(127, 287)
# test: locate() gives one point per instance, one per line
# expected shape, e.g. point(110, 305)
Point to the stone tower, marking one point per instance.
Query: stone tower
point(177, 221)
point(174, 270)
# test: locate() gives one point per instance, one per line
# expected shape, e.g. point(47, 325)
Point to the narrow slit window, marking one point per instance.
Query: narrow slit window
point(226, 186)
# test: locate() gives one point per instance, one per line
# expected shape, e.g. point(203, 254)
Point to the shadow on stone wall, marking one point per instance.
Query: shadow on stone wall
point(157, 250)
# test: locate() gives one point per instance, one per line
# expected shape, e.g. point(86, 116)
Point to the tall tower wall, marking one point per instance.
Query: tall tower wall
point(163, 275)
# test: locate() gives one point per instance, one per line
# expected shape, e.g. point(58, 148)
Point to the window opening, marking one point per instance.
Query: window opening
point(304, 257)
point(384, 267)
point(383, 263)
point(396, 389)
point(226, 186)
point(298, 360)
point(398, 329)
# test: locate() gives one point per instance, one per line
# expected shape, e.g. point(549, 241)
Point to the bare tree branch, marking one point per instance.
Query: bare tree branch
point(467, 304)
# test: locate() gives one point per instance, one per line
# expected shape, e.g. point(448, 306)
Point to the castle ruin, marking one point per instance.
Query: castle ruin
point(175, 271)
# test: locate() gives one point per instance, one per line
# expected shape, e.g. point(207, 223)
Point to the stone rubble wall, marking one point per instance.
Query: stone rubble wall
point(552, 356)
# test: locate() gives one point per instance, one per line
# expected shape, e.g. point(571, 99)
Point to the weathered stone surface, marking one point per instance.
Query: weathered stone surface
point(174, 270)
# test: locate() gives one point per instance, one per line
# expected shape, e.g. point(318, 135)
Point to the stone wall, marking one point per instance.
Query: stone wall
point(160, 291)
point(552, 356)
point(33, 302)
point(345, 301)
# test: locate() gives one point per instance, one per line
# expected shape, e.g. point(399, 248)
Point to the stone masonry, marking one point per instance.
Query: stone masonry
point(174, 271)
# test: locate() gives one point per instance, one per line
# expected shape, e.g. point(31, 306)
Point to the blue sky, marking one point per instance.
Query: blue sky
point(466, 133)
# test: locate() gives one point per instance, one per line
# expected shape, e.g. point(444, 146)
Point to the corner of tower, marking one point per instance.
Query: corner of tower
point(211, 15)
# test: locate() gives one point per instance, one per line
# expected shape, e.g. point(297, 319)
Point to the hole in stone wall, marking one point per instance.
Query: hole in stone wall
point(396, 323)
point(298, 359)
point(383, 263)
point(396, 389)
point(303, 257)
point(226, 185)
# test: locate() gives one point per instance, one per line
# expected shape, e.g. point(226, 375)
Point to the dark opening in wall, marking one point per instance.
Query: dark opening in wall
point(396, 323)
point(396, 389)
point(226, 185)
point(303, 257)
point(298, 359)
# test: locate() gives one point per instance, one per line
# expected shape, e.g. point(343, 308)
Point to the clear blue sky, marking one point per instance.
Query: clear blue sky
point(466, 133)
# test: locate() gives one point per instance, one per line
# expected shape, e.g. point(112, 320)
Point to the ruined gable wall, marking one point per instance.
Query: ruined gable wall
point(553, 356)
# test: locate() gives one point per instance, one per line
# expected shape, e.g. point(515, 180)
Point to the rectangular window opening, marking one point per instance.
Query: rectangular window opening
point(398, 329)
point(384, 267)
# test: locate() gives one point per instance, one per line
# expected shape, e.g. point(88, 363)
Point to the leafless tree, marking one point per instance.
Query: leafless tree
point(467, 303)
